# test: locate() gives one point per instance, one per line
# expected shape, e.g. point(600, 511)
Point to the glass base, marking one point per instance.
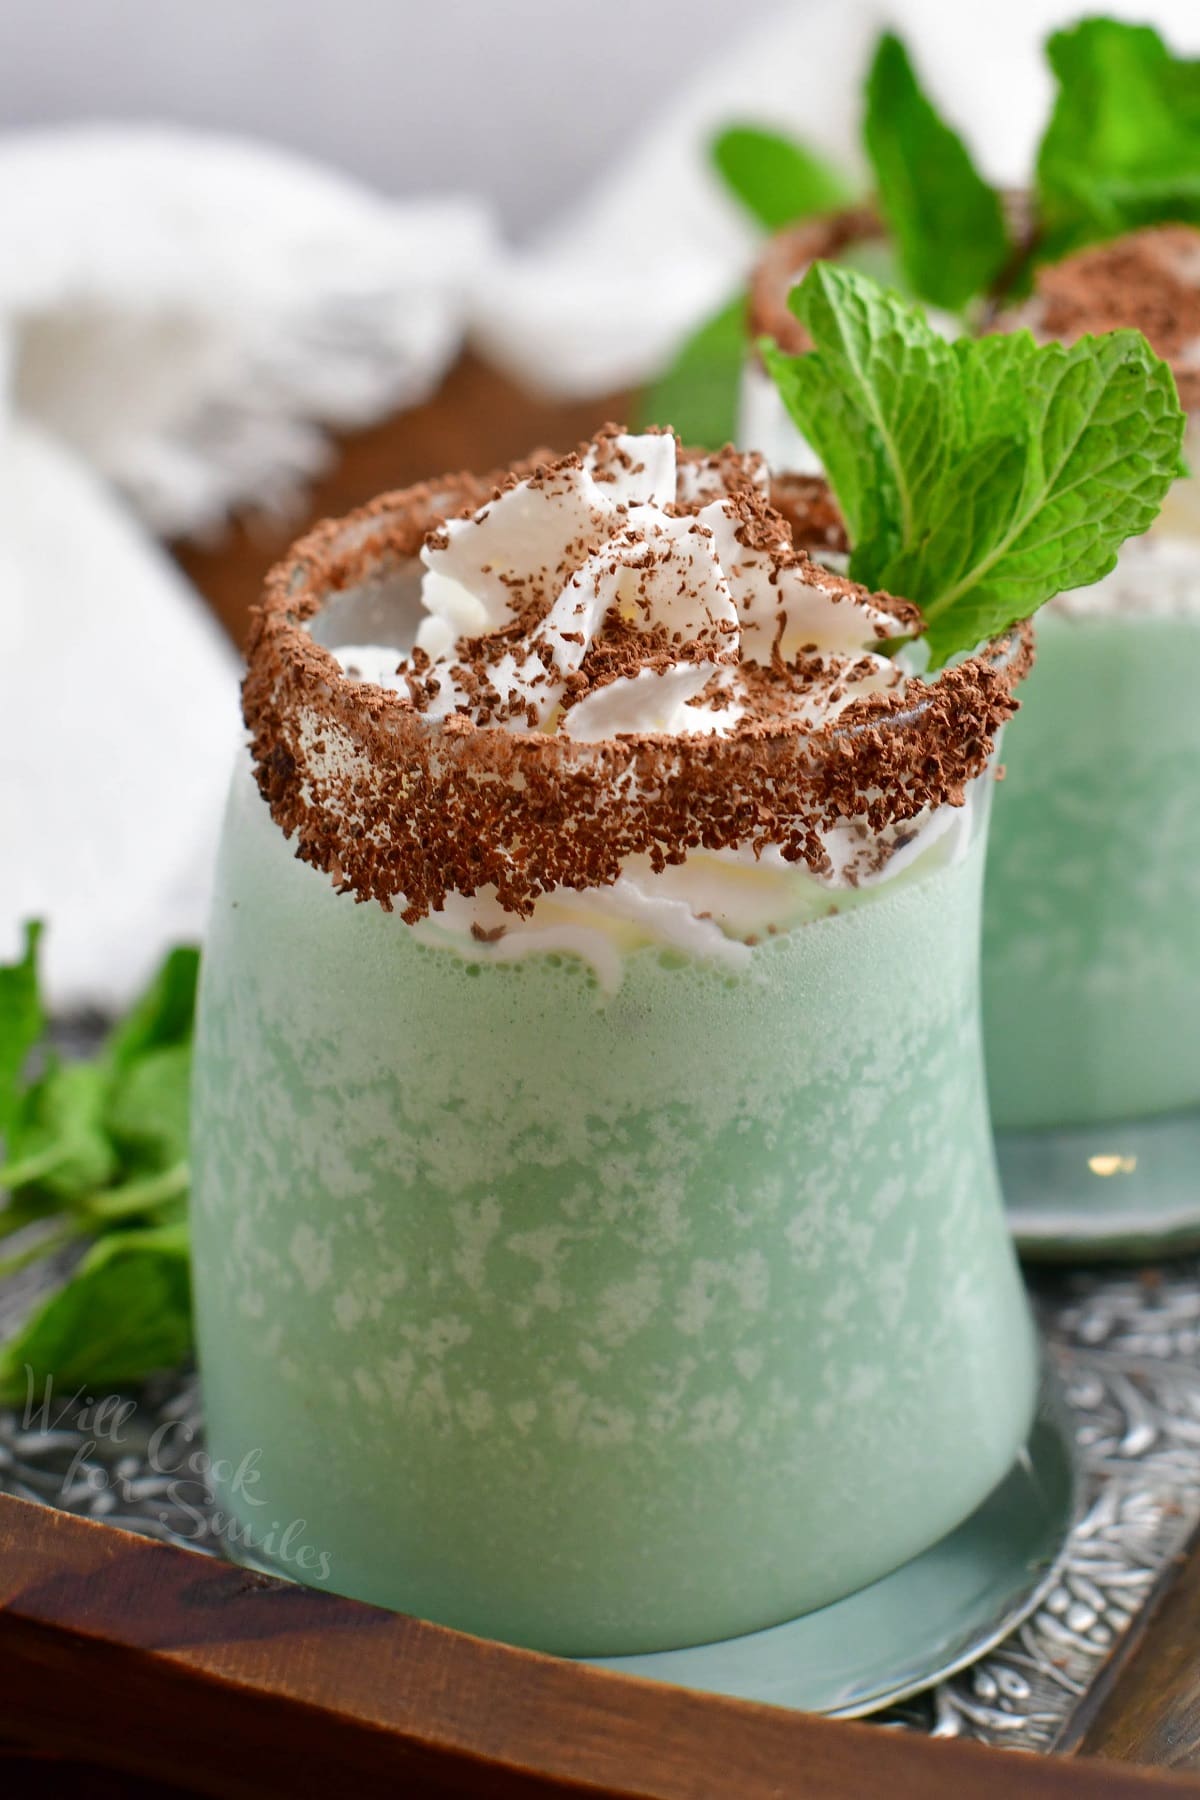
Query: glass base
point(925, 1621)
point(917, 1626)
point(1128, 1191)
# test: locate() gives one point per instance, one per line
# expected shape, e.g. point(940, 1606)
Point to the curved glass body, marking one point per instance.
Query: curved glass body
point(1092, 917)
point(599, 1323)
point(1091, 966)
point(1091, 949)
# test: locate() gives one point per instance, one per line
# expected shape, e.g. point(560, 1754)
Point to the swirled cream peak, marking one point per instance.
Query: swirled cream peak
point(628, 590)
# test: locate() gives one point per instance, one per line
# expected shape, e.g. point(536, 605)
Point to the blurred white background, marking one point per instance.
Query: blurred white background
point(520, 100)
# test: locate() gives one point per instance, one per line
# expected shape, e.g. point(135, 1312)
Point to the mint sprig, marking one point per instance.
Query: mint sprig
point(776, 178)
point(97, 1150)
point(947, 221)
point(1122, 148)
point(982, 477)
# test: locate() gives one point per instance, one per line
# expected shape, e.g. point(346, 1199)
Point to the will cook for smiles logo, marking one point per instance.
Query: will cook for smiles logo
point(186, 1478)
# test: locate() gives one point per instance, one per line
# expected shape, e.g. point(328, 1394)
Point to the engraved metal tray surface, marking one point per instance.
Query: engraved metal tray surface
point(1126, 1348)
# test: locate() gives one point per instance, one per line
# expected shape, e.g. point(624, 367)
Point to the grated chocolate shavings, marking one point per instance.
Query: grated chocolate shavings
point(785, 261)
point(1149, 280)
point(406, 810)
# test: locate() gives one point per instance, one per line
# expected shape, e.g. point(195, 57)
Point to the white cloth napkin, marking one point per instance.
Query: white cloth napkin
point(601, 298)
point(181, 319)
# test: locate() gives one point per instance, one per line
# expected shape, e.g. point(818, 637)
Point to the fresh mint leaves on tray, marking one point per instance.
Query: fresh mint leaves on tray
point(97, 1150)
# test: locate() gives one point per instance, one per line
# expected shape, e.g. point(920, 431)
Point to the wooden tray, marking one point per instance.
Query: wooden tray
point(131, 1667)
point(127, 1655)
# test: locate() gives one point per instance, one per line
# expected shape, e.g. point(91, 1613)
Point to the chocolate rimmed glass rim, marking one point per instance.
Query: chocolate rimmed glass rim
point(1147, 279)
point(784, 260)
point(405, 810)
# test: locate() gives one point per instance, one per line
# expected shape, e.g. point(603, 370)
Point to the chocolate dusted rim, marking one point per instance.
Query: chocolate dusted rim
point(1149, 279)
point(787, 256)
point(396, 807)
point(784, 261)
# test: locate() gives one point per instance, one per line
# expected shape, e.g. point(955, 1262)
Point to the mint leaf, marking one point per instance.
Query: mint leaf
point(1122, 148)
point(98, 1149)
point(980, 478)
point(947, 222)
point(164, 1013)
point(58, 1142)
point(22, 1023)
point(775, 178)
point(147, 1114)
point(1048, 477)
point(698, 394)
point(1104, 431)
point(875, 404)
point(122, 1315)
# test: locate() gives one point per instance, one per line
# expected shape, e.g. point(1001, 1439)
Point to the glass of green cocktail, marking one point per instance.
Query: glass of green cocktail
point(1091, 944)
point(1092, 912)
point(597, 1239)
point(1091, 956)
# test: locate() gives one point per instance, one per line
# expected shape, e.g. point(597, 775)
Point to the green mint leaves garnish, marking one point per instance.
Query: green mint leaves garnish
point(776, 179)
point(97, 1150)
point(1122, 148)
point(981, 477)
point(948, 223)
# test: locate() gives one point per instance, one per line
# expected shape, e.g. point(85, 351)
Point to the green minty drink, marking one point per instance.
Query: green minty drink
point(1091, 950)
point(1092, 918)
point(597, 1239)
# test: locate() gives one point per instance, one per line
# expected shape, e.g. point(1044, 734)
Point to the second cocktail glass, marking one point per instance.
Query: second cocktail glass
point(1091, 958)
point(1091, 954)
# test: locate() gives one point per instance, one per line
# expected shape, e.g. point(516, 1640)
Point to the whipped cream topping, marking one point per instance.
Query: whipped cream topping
point(623, 592)
point(628, 591)
point(718, 905)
